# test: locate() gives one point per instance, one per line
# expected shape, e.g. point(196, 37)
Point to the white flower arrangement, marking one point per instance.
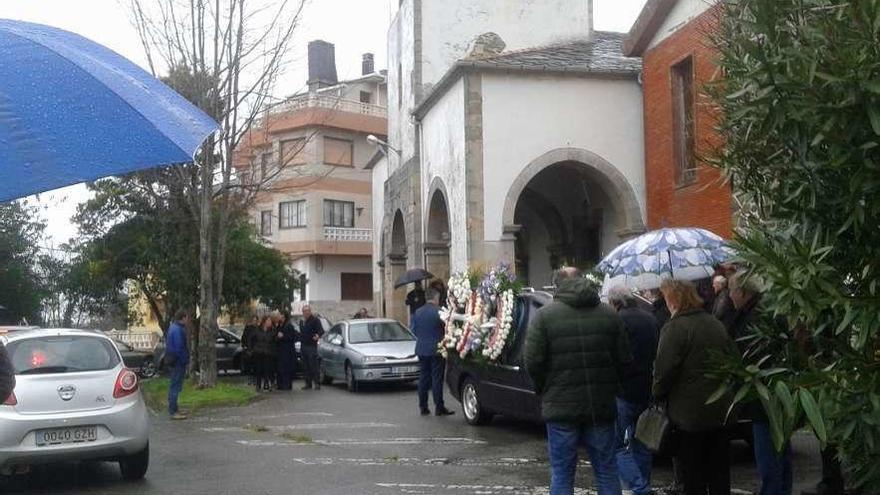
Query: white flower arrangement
point(465, 315)
point(503, 324)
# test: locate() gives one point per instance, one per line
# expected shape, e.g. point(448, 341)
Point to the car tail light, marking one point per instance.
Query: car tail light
point(11, 400)
point(126, 384)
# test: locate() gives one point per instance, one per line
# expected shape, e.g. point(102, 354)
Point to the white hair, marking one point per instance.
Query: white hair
point(620, 295)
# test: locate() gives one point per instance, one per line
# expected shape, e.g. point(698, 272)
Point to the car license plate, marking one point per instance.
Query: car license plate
point(58, 436)
point(404, 369)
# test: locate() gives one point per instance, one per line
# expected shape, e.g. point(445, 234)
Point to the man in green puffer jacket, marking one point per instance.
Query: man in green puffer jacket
point(576, 351)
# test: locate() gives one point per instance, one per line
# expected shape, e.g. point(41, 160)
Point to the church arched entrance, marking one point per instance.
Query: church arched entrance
point(568, 208)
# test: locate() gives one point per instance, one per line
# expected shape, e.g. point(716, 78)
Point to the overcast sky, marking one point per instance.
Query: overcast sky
point(354, 26)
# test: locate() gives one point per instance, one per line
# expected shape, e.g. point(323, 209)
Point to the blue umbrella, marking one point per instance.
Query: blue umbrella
point(681, 253)
point(72, 110)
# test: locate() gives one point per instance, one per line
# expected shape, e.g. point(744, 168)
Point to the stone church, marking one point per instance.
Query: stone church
point(515, 135)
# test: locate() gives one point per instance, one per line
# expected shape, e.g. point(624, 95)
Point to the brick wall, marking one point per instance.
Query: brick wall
point(706, 202)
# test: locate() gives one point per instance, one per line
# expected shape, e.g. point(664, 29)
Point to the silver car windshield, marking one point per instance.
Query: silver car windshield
point(61, 354)
point(363, 333)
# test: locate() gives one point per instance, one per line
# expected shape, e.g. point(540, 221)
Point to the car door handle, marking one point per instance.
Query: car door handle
point(509, 367)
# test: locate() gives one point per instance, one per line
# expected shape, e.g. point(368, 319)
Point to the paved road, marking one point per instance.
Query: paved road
point(333, 442)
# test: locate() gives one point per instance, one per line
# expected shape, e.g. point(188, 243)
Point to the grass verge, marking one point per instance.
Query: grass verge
point(194, 399)
point(296, 437)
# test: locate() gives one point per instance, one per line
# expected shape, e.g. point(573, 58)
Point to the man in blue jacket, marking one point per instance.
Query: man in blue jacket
point(428, 328)
point(177, 357)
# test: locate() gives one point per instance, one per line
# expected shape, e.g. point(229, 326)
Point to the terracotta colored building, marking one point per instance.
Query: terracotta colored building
point(673, 39)
point(312, 152)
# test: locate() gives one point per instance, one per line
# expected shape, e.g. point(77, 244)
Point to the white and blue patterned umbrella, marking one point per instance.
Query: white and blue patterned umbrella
point(680, 253)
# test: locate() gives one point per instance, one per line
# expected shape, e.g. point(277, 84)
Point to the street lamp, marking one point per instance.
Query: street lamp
point(382, 145)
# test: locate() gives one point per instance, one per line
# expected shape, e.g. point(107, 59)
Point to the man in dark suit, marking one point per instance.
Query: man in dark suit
point(428, 328)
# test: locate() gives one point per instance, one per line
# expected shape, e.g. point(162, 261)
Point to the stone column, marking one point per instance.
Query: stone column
point(395, 299)
point(437, 259)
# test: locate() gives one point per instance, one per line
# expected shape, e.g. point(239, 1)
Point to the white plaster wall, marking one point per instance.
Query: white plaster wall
point(380, 171)
point(527, 116)
point(325, 285)
point(683, 12)
point(444, 157)
point(401, 130)
point(450, 27)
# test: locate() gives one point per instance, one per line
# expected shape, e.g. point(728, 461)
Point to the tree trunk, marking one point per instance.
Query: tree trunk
point(207, 297)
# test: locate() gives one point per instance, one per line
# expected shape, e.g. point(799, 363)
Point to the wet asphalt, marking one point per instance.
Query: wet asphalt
point(334, 442)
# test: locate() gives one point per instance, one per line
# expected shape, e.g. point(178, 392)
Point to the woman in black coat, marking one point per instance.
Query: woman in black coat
point(262, 343)
point(287, 337)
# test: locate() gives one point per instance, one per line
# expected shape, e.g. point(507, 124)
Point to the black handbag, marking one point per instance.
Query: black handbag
point(655, 430)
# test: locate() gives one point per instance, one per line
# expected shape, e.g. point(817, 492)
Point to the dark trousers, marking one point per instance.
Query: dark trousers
point(264, 368)
point(310, 364)
point(431, 370)
point(286, 359)
point(705, 462)
point(773, 469)
point(178, 372)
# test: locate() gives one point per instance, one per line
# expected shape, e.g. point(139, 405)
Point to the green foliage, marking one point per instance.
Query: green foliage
point(21, 291)
point(151, 240)
point(801, 127)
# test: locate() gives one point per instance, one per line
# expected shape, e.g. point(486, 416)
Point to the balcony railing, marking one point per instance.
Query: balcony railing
point(345, 234)
point(328, 102)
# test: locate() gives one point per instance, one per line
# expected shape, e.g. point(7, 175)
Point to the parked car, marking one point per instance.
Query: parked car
point(74, 400)
point(505, 388)
point(368, 350)
point(227, 346)
point(140, 361)
point(502, 387)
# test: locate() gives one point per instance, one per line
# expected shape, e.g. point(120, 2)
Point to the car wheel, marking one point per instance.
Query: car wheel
point(323, 377)
point(350, 381)
point(134, 467)
point(148, 369)
point(473, 409)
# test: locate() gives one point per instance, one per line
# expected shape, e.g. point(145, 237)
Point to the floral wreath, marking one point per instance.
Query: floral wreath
point(474, 300)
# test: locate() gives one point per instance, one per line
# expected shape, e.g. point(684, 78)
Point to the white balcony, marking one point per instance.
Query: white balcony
point(344, 234)
point(328, 102)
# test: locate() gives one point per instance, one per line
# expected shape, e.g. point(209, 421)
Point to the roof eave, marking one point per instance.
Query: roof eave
point(645, 28)
point(463, 66)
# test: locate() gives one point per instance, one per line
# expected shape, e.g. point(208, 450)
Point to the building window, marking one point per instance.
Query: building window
point(366, 97)
point(338, 152)
point(293, 152)
point(683, 121)
point(292, 214)
point(265, 163)
point(266, 223)
point(338, 213)
point(356, 286)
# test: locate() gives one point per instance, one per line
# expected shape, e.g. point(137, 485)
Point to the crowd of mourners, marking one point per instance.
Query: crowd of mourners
point(579, 351)
point(270, 350)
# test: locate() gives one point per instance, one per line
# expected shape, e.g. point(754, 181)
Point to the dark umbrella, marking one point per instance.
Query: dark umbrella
point(72, 110)
point(413, 275)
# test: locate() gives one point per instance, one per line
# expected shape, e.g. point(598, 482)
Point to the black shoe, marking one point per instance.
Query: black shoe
point(426, 412)
point(307, 387)
point(443, 412)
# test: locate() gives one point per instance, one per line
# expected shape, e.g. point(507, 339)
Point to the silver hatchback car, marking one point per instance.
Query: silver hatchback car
point(74, 399)
point(368, 350)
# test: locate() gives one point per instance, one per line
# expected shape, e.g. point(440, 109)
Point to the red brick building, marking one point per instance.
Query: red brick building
point(673, 39)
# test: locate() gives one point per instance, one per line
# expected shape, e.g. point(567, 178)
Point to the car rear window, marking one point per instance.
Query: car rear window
point(61, 354)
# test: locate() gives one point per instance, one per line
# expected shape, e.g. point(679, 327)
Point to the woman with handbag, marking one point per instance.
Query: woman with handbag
point(687, 343)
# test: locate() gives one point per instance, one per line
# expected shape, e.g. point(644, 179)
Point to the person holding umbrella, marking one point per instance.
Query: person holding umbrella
point(415, 298)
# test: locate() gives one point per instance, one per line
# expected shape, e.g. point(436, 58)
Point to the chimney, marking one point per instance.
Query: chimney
point(322, 65)
point(367, 64)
